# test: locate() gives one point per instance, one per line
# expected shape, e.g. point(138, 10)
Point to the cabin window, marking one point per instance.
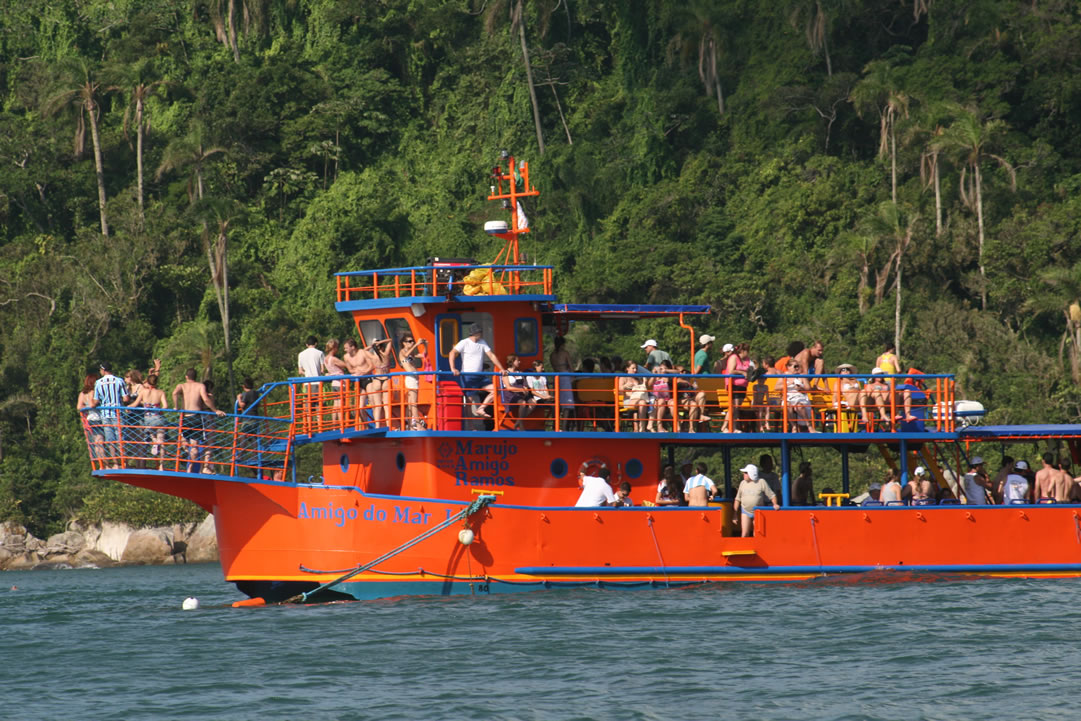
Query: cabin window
point(448, 335)
point(371, 332)
point(398, 329)
point(526, 338)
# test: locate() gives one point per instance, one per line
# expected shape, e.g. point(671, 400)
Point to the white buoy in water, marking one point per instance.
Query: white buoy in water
point(190, 603)
point(465, 536)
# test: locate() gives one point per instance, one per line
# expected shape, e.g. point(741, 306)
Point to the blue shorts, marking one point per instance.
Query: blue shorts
point(475, 381)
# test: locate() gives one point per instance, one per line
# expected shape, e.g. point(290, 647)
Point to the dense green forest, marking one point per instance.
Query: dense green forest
point(180, 180)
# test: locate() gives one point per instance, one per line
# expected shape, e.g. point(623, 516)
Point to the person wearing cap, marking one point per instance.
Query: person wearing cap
point(654, 357)
point(850, 392)
point(1015, 487)
point(110, 392)
point(975, 484)
point(751, 493)
point(913, 402)
point(473, 350)
point(701, 358)
point(873, 497)
point(923, 490)
point(721, 364)
point(739, 366)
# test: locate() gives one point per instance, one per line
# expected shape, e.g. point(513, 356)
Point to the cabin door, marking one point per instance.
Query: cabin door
point(448, 331)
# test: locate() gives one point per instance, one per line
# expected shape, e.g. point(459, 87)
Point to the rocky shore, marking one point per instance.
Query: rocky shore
point(109, 544)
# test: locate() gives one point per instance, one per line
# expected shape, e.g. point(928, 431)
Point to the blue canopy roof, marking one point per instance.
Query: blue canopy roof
point(604, 310)
point(1045, 430)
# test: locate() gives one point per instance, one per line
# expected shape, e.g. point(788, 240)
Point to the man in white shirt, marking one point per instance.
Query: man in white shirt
point(473, 350)
point(1015, 487)
point(310, 365)
point(699, 488)
point(595, 490)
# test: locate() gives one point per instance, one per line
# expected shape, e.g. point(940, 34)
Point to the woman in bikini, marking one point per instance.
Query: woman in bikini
point(334, 366)
point(92, 417)
point(152, 399)
point(635, 395)
point(381, 354)
point(409, 360)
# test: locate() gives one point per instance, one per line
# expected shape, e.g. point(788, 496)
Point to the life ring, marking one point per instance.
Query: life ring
point(591, 466)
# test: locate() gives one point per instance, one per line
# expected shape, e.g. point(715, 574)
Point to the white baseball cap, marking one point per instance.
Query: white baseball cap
point(1021, 466)
point(751, 470)
point(704, 338)
point(921, 471)
point(877, 371)
point(728, 348)
point(649, 343)
point(874, 487)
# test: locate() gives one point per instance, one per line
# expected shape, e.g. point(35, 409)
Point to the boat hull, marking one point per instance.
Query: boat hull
point(277, 539)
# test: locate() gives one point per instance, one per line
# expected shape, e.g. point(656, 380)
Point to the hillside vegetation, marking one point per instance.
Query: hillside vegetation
point(181, 179)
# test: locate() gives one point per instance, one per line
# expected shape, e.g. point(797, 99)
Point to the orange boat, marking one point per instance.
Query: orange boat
point(421, 495)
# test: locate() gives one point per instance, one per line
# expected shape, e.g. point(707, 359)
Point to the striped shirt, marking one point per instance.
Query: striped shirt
point(698, 481)
point(109, 390)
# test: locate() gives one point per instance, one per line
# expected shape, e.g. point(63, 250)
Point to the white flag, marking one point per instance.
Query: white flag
point(523, 221)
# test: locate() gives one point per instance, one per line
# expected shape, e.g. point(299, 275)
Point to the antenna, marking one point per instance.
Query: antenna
point(509, 184)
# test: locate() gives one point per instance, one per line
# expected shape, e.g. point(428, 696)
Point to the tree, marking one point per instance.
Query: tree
point(816, 27)
point(700, 26)
point(895, 226)
point(191, 152)
point(517, 22)
point(1059, 291)
point(926, 131)
point(82, 94)
point(218, 219)
point(140, 86)
point(970, 137)
point(881, 89)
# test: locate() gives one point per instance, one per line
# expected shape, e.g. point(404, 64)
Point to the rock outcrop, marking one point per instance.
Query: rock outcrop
point(108, 544)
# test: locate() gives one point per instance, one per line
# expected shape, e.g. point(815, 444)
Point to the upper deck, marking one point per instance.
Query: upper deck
point(459, 282)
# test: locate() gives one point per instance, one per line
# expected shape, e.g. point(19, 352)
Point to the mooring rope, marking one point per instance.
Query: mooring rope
point(475, 506)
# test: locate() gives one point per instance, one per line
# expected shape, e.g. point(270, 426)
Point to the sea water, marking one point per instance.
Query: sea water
point(115, 644)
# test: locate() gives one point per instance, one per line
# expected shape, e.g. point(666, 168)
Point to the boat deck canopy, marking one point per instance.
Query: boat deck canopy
point(595, 311)
point(1034, 432)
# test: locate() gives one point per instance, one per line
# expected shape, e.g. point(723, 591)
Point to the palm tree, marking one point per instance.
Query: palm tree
point(517, 22)
point(882, 90)
point(223, 13)
point(927, 132)
point(816, 26)
point(140, 87)
point(1059, 291)
point(897, 227)
point(700, 27)
point(970, 137)
point(222, 215)
point(82, 94)
point(192, 152)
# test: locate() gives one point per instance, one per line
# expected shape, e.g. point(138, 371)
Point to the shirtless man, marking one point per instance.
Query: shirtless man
point(357, 363)
point(1046, 478)
point(811, 363)
point(1065, 490)
point(195, 399)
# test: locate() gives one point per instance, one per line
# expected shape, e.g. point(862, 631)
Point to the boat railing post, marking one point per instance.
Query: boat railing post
point(179, 439)
point(557, 408)
point(375, 286)
point(893, 405)
point(784, 407)
point(497, 406)
point(615, 404)
point(786, 472)
point(232, 463)
point(844, 468)
point(904, 462)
